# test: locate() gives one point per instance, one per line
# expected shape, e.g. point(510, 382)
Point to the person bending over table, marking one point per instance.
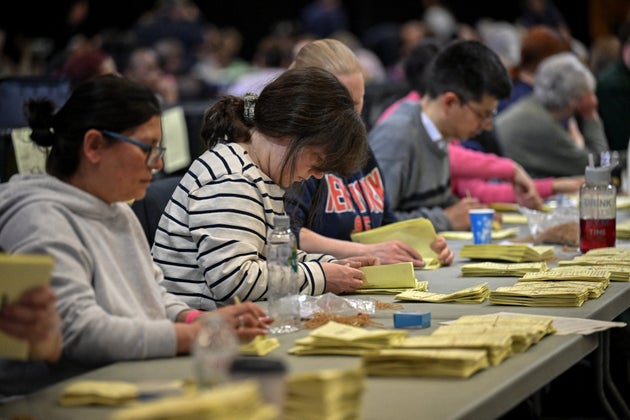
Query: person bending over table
point(211, 239)
point(105, 143)
point(326, 211)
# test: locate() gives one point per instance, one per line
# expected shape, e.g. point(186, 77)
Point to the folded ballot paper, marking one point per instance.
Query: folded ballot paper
point(507, 252)
point(419, 233)
point(110, 393)
point(474, 294)
point(324, 394)
point(493, 269)
point(389, 278)
point(259, 346)
point(19, 273)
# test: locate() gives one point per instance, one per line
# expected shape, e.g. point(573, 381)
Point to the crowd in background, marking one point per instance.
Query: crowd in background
point(177, 51)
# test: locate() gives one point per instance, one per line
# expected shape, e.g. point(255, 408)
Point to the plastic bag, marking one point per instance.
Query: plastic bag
point(333, 304)
point(559, 226)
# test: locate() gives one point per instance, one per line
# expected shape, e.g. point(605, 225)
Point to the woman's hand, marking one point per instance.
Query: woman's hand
point(342, 276)
point(392, 252)
point(445, 255)
point(34, 318)
point(247, 319)
point(525, 189)
point(458, 213)
point(567, 185)
point(358, 261)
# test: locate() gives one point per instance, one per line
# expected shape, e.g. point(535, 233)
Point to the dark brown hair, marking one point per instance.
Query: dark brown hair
point(309, 106)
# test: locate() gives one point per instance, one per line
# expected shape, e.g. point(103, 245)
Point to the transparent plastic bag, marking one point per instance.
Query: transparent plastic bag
point(559, 226)
point(333, 304)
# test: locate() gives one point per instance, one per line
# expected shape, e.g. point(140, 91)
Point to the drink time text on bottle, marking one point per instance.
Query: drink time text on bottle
point(598, 209)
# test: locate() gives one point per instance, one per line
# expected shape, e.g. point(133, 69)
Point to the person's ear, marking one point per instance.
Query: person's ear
point(93, 145)
point(450, 99)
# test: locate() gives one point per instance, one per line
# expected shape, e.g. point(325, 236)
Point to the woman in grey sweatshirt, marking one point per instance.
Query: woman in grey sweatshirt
point(105, 143)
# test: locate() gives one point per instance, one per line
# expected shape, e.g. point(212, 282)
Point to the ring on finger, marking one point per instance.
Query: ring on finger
point(241, 322)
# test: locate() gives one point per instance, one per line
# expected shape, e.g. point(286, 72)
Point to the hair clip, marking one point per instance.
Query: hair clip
point(250, 105)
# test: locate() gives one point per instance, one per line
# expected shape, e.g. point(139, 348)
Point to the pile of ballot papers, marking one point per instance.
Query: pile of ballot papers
point(324, 394)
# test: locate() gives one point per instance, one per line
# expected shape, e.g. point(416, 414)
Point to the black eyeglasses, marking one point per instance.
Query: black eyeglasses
point(155, 153)
point(483, 118)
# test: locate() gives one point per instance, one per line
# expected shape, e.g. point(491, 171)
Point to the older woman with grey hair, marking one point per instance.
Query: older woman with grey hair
point(552, 131)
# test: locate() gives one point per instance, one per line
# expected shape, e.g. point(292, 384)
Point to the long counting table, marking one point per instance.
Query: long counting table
point(487, 394)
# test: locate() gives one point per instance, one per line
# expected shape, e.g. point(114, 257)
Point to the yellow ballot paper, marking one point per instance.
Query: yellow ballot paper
point(19, 273)
point(259, 346)
point(419, 233)
point(98, 393)
point(389, 276)
point(465, 235)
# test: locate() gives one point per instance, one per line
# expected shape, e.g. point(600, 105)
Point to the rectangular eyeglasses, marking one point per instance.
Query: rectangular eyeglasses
point(154, 153)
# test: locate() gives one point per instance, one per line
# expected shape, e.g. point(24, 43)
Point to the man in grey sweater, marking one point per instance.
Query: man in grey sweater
point(465, 81)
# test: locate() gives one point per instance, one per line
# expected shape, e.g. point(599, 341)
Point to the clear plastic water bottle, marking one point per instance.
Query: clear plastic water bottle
point(214, 350)
point(282, 281)
point(598, 209)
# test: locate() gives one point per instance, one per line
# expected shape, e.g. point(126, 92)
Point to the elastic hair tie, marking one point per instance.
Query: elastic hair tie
point(249, 110)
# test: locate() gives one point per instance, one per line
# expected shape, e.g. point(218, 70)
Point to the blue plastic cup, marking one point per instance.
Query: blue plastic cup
point(481, 225)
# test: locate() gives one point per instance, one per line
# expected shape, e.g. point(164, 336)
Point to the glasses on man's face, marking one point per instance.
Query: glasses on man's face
point(484, 118)
point(154, 153)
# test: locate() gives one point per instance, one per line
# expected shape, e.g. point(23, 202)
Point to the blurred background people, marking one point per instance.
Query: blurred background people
point(535, 131)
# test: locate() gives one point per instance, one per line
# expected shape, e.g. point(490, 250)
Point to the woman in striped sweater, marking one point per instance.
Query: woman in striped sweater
point(211, 239)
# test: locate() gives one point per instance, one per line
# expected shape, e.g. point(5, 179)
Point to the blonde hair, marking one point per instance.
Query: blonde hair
point(328, 54)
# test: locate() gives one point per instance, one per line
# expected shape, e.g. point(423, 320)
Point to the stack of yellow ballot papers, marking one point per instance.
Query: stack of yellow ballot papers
point(618, 270)
point(609, 251)
point(510, 252)
point(492, 269)
point(389, 278)
point(326, 394)
point(419, 233)
point(237, 400)
point(524, 330)
point(468, 236)
point(561, 294)
point(615, 260)
point(456, 363)
point(342, 339)
point(623, 230)
point(498, 346)
point(595, 288)
point(623, 202)
point(19, 273)
point(570, 273)
point(474, 294)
